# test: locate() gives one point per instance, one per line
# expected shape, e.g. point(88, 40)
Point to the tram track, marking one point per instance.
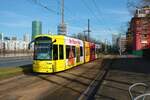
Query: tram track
point(91, 90)
point(77, 83)
point(66, 85)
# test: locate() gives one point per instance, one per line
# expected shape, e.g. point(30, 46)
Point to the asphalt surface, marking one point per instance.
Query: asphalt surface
point(66, 85)
point(71, 84)
point(15, 61)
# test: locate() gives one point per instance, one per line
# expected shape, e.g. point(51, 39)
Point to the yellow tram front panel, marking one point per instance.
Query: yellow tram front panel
point(43, 66)
point(56, 62)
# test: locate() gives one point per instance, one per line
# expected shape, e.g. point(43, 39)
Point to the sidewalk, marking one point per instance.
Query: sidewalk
point(123, 73)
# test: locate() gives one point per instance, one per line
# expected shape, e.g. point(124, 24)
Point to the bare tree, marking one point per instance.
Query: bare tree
point(146, 2)
point(132, 5)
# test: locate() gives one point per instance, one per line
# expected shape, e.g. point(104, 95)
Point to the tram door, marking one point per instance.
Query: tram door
point(61, 61)
point(58, 57)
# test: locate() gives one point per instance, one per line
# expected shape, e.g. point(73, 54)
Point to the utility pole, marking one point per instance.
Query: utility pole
point(89, 30)
point(62, 28)
point(62, 12)
point(84, 35)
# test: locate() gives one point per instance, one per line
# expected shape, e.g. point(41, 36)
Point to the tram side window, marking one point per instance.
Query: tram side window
point(81, 51)
point(61, 52)
point(67, 51)
point(73, 49)
point(55, 52)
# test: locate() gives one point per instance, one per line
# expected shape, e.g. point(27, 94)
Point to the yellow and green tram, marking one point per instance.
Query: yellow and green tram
point(54, 53)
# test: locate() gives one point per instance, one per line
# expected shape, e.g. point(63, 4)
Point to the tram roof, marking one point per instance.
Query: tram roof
point(59, 36)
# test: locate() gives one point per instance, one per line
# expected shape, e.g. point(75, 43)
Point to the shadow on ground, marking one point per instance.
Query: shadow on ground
point(27, 69)
point(138, 65)
point(122, 73)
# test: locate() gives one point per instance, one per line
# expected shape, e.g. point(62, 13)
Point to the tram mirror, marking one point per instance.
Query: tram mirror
point(29, 45)
point(54, 41)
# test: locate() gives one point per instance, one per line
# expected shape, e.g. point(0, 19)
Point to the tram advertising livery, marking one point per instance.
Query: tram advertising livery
point(54, 53)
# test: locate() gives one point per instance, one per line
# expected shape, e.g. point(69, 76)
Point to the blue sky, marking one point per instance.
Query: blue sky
point(16, 16)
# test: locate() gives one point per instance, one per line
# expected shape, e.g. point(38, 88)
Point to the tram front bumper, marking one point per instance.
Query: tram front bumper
point(43, 66)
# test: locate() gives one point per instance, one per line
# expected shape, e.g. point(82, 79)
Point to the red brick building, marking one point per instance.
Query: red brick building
point(139, 31)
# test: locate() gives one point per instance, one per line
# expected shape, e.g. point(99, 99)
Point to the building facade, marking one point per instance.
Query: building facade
point(138, 35)
point(12, 45)
point(122, 42)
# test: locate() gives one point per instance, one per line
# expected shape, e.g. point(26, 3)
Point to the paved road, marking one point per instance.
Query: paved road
point(67, 85)
point(15, 61)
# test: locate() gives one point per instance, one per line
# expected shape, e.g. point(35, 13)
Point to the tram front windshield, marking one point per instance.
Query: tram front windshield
point(43, 49)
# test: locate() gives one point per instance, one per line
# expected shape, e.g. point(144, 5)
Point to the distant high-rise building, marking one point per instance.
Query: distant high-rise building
point(1, 42)
point(115, 39)
point(14, 38)
point(26, 37)
point(1, 36)
point(36, 28)
point(122, 42)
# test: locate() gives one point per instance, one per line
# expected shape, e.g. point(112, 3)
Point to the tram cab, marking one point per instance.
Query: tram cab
point(46, 53)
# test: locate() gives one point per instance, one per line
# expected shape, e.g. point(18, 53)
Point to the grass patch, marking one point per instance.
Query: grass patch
point(7, 72)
